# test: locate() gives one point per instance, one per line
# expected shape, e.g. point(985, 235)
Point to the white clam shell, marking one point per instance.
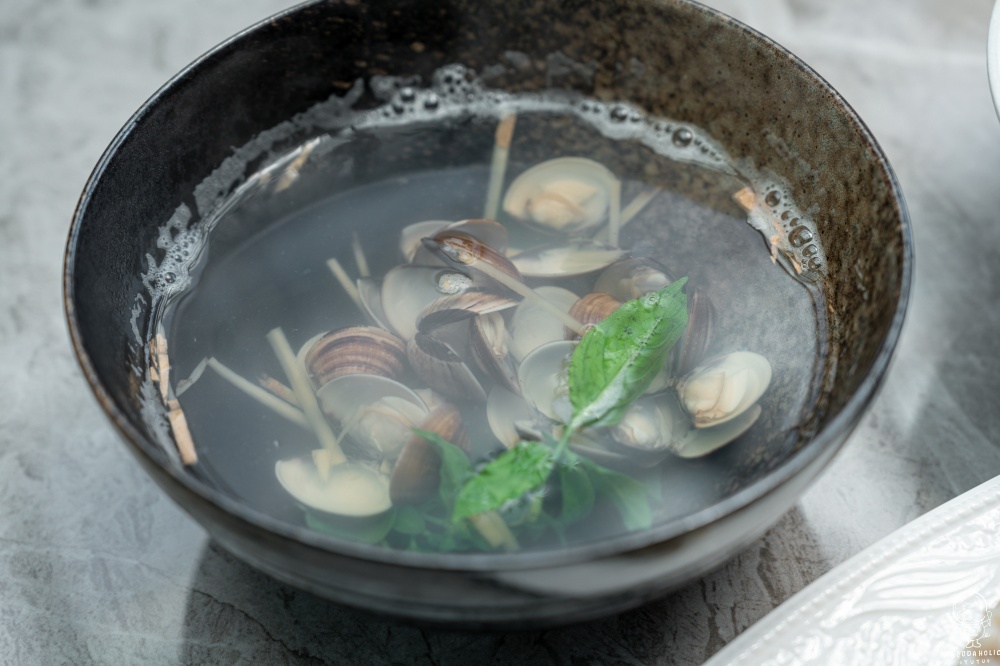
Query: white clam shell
point(349, 490)
point(407, 290)
point(543, 378)
point(531, 326)
point(563, 195)
point(379, 411)
point(701, 441)
point(724, 387)
point(565, 259)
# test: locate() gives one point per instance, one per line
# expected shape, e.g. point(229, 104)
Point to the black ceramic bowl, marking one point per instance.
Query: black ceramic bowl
point(670, 58)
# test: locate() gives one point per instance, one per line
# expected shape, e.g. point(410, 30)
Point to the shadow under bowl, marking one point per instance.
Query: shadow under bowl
point(674, 59)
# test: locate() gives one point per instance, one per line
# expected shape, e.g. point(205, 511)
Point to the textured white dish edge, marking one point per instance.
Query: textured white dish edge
point(993, 56)
point(900, 601)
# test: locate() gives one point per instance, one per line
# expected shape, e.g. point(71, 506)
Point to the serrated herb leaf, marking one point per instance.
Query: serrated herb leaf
point(629, 496)
point(577, 493)
point(409, 520)
point(618, 358)
point(513, 473)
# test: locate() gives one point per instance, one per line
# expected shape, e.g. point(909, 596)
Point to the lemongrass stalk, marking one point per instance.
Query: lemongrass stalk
point(360, 260)
point(498, 165)
point(259, 394)
point(615, 212)
point(528, 293)
point(493, 528)
point(304, 394)
point(346, 283)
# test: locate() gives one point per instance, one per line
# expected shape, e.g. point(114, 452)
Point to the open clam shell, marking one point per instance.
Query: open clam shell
point(459, 307)
point(700, 442)
point(370, 293)
point(564, 195)
point(408, 290)
point(376, 412)
point(347, 490)
point(437, 364)
point(543, 378)
point(699, 333)
point(416, 474)
point(468, 254)
point(491, 350)
point(356, 350)
point(724, 387)
point(504, 410)
point(531, 326)
point(567, 259)
point(632, 277)
point(590, 309)
point(412, 249)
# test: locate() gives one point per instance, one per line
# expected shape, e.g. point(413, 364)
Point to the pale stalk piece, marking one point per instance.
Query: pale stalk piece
point(323, 462)
point(178, 422)
point(498, 166)
point(182, 434)
point(276, 388)
point(615, 212)
point(346, 283)
point(640, 201)
point(273, 403)
point(291, 172)
point(154, 375)
point(746, 198)
point(527, 292)
point(494, 529)
point(360, 260)
point(163, 366)
point(184, 384)
point(303, 392)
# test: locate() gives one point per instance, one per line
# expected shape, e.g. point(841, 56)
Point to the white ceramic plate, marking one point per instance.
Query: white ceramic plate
point(993, 56)
point(925, 594)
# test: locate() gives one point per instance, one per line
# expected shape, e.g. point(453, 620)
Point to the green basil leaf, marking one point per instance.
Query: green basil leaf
point(629, 496)
point(455, 466)
point(618, 358)
point(577, 493)
point(513, 473)
point(409, 520)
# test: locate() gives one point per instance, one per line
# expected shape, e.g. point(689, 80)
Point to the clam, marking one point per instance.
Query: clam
point(565, 195)
point(631, 278)
point(531, 326)
point(700, 442)
point(648, 425)
point(724, 388)
point(699, 332)
point(459, 307)
point(504, 410)
point(410, 246)
point(469, 254)
point(568, 259)
point(407, 290)
point(356, 350)
point(376, 412)
point(437, 364)
point(416, 475)
point(491, 349)
point(591, 309)
point(347, 490)
point(542, 376)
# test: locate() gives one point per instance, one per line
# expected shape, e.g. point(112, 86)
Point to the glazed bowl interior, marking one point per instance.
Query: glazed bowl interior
point(269, 90)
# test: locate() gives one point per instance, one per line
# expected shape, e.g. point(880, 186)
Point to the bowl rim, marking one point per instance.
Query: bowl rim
point(833, 434)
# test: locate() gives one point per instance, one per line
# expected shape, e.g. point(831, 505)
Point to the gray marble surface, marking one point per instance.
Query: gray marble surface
point(98, 567)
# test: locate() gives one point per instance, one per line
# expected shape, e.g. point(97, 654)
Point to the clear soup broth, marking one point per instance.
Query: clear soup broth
point(589, 199)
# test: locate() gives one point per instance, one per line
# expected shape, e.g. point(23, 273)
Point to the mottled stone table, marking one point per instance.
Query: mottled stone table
point(97, 566)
